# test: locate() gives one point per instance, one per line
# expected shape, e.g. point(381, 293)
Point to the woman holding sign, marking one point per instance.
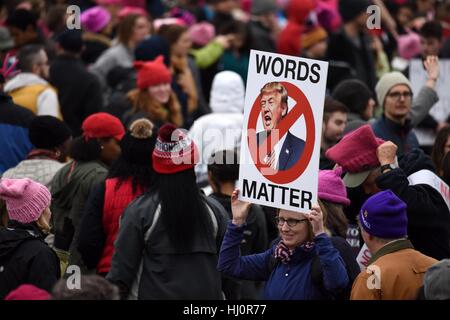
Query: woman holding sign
point(304, 265)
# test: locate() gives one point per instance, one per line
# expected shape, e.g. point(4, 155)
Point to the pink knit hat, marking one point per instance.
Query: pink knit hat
point(409, 45)
point(356, 153)
point(95, 19)
point(28, 292)
point(25, 199)
point(331, 187)
point(202, 33)
point(126, 11)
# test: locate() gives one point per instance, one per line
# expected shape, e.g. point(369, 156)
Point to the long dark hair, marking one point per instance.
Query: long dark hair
point(183, 212)
point(446, 168)
point(141, 176)
point(437, 155)
point(82, 150)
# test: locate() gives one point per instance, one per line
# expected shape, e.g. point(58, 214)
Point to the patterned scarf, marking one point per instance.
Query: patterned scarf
point(283, 253)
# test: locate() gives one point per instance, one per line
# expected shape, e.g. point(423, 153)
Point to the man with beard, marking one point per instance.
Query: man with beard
point(334, 123)
point(29, 88)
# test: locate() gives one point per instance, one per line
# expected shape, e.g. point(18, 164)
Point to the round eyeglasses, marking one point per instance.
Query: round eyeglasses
point(290, 222)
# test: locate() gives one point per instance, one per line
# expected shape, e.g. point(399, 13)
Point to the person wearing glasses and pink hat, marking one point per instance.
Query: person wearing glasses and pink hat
point(288, 266)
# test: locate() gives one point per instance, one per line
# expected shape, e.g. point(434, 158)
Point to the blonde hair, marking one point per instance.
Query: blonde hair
point(43, 224)
point(278, 87)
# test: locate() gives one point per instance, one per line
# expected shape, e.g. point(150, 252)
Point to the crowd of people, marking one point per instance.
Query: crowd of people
point(120, 139)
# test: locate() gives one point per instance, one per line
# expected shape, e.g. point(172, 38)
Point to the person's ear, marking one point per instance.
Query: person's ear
point(285, 110)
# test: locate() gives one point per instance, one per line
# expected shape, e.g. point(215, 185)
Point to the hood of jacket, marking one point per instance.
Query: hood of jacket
point(414, 161)
point(22, 80)
point(14, 235)
point(227, 93)
point(299, 10)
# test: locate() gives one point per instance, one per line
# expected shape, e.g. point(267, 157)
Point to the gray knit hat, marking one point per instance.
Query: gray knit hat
point(388, 81)
point(260, 7)
point(436, 281)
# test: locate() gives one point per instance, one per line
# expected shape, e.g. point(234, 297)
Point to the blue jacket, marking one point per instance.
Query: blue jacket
point(284, 282)
point(401, 135)
point(14, 141)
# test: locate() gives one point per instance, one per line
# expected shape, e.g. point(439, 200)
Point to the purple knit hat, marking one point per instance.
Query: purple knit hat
point(331, 187)
point(25, 199)
point(384, 215)
point(95, 19)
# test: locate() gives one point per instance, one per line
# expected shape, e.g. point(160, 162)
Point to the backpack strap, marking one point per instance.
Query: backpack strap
point(133, 295)
point(134, 290)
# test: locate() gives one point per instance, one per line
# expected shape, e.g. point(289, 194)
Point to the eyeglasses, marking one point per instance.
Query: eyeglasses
point(396, 95)
point(290, 222)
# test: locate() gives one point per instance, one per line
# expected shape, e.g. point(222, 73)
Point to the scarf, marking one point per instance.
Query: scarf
point(284, 254)
point(42, 154)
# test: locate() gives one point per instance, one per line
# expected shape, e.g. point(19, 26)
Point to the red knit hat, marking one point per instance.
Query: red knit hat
point(102, 125)
point(174, 151)
point(356, 153)
point(152, 73)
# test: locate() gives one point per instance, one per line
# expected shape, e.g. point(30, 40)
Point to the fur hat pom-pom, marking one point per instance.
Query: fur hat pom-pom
point(141, 129)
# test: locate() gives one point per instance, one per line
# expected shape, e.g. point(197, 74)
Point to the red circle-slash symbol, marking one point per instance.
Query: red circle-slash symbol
point(302, 107)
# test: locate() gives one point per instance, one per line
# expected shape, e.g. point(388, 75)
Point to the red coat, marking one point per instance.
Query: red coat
point(289, 38)
point(116, 200)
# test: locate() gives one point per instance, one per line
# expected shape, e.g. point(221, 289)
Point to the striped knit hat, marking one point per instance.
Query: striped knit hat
point(174, 151)
point(25, 199)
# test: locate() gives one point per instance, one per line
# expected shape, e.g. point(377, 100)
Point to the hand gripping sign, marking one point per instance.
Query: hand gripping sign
point(280, 145)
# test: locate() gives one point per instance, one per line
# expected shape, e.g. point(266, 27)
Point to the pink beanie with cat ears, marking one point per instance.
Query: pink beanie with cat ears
point(25, 199)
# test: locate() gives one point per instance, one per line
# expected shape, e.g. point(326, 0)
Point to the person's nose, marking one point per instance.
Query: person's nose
point(284, 226)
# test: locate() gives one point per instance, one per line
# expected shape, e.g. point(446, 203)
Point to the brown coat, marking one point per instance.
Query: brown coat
point(395, 272)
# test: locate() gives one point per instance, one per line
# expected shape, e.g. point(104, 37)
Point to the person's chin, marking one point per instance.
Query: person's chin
point(287, 239)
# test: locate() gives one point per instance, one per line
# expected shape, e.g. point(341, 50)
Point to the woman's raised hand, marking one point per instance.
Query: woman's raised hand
point(239, 209)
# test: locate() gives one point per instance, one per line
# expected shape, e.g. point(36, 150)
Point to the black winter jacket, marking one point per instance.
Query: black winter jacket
point(167, 273)
point(79, 91)
point(25, 258)
point(428, 214)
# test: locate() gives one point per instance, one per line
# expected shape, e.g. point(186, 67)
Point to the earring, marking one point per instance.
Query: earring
point(102, 147)
point(58, 153)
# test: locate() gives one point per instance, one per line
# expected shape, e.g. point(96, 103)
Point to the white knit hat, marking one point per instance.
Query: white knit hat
point(388, 81)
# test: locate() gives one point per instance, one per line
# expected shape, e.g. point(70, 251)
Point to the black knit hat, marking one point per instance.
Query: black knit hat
point(47, 132)
point(138, 143)
point(350, 9)
point(70, 40)
point(354, 94)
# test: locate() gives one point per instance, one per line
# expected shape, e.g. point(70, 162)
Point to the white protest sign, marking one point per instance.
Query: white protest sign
point(441, 110)
point(280, 146)
point(431, 179)
point(363, 257)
